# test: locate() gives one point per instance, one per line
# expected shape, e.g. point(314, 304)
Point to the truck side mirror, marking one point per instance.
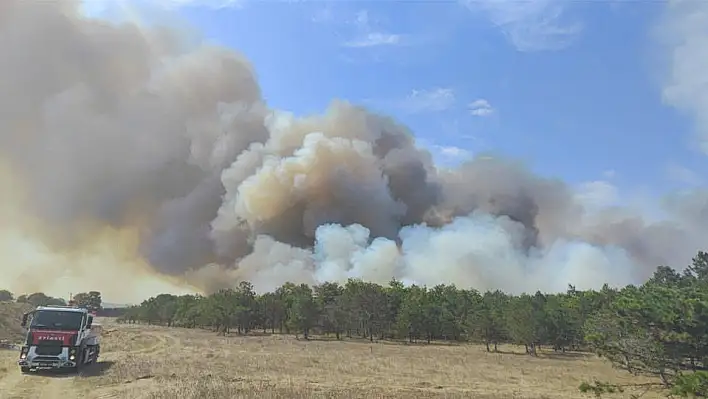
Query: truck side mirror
point(89, 322)
point(24, 319)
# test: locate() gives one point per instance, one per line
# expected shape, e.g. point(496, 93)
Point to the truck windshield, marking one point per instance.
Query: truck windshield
point(56, 320)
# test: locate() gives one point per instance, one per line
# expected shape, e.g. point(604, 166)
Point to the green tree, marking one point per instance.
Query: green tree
point(40, 299)
point(487, 322)
point(331, 308)
point(659, 329)
point(245, 312)
point(411, 320)
point(90, 300)
point(665, 275)
point(6, 296)
point(303, 311)
point(273, 311)
point(562, 321)
point(525, 321)
point(698, 269)
point(395, 296)
point(187, 310)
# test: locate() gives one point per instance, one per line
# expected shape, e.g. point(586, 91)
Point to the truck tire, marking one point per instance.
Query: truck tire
point(79, 360)
point(93, 354)
point(24, 370)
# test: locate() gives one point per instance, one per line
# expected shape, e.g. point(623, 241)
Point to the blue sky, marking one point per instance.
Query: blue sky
point(581, 91)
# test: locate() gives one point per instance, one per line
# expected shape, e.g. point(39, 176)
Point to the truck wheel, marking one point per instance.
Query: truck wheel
point(79, 360)
point(95, 354)
point(92, 355)
point(24, 370)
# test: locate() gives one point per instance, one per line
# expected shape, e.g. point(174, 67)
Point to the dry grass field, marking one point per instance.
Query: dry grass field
point(161, 363)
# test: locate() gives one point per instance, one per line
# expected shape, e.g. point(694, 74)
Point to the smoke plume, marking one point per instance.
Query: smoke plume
point(134, 163)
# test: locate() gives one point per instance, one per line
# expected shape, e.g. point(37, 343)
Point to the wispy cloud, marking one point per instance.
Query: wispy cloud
point(99, 8)
point(364, 36)
point(436, 100)
point(685, 33)
point(374, 39)
point(683, 175)
point(538, 25)
point(323, 15)
point(433, 100)
point(367, 35)
point(213, 4)
point(453, 153)
point(480, 107)
point(445, 155)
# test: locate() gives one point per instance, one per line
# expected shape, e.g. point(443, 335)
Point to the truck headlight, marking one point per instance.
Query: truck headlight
point(72, 357)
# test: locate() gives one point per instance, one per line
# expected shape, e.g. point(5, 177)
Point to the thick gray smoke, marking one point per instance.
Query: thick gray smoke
point(121, 125)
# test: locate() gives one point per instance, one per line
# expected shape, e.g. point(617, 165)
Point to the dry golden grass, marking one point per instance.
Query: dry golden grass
point(161, 363)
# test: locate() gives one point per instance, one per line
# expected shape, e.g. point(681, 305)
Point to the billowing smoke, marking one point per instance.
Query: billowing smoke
point(119, 139)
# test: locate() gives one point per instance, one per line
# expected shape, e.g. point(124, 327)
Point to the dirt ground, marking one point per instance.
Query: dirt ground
point(162, 363)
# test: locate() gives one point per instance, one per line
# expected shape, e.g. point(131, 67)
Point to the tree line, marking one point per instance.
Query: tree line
point(659, 328)
point(35, 299)
point(90, 300)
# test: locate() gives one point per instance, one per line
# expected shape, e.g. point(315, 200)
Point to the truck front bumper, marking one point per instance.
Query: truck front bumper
point(46, 364)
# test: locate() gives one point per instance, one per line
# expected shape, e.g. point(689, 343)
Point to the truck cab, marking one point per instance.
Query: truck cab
point(59, 337)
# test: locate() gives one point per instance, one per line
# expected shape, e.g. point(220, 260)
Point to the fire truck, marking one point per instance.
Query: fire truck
point(59, 337)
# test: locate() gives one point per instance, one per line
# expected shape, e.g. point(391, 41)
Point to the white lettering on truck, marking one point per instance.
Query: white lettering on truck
point(50, 338)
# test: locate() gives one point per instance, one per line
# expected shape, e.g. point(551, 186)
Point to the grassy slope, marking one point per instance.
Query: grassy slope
point(10, 317)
